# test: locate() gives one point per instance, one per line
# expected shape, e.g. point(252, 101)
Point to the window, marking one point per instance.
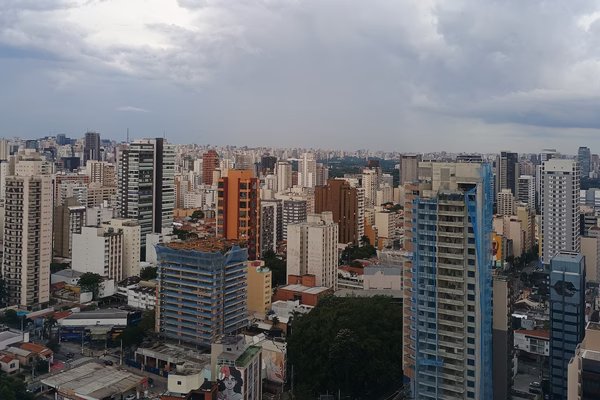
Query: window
point(179, 383)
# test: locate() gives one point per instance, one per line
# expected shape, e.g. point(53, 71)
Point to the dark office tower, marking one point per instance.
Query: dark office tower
point(339, 197)
point(31, 144)
point(507, 172)
point(267, 164)
point(145, 187)
point(61, 139)
point(567, 316)
point(70, 164)
point(91, 147)
point(584, 156)
point(210, 162)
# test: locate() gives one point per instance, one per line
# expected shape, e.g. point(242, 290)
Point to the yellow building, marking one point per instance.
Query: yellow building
point(259, 287)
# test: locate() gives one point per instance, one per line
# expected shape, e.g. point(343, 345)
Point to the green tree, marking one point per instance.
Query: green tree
point(352, 345)
point(90, 282)
point(12, 388)
point(278, 267)
point(49, 323)
point(148, 273)
point(198, 214)
point(11, 318)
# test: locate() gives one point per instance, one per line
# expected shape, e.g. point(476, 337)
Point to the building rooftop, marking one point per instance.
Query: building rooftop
point(8, 335)
point(208, 245)
point(94, 381)
point(108, 313)
point(68, 273)
point(247, 356)
point(594, 326)
point(305, 289)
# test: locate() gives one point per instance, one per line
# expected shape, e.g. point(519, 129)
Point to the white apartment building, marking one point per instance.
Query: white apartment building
point(526, 190)
point(307, 171)
point(131, 244)
point(284, 176)
point(370, 184)
point(312, 249)
point(99, 250)
point(560, 207)
point(27, 230)
point(505, 201)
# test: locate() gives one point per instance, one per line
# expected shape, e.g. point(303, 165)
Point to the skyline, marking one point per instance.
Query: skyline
point(468, 76)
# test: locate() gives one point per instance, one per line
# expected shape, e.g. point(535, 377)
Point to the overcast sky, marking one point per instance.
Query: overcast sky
point(419, 75)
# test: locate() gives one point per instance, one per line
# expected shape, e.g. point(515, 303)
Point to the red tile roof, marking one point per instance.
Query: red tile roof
point(36, 348)
point(6, 358)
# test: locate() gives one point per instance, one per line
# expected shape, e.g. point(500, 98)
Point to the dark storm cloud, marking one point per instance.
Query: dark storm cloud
point(461, 74)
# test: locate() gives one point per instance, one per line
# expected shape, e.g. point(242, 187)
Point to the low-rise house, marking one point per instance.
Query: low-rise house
point(9, 364)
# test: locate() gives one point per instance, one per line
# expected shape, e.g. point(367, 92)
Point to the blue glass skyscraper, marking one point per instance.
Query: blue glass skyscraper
point(567, 316)
point(448, 302)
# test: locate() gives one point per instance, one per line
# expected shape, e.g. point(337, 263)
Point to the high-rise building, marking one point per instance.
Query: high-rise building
point(560, 207)
point(505, 202)
point(145, 190)
point(584, 368)
point(293, 211)
point(202, 290)
point(339, 197)
point(210, 162)
point(307, 171)
point(259, 287)
point(507, 172)
point(284, 176)
point(448, 348)
point(238, 209)
point(270, 225)
point(99, 250)
point(409, 164)
point(101, 172)
point(27, 218)
point(503, 335)
point(69, 218)
point(526, 193)
point(370, 184)
point(322, 174)
point(584, 157)
point(267, 164)
point(567, 316)
point(312, 249)
point(131, 243)
point(91, 147)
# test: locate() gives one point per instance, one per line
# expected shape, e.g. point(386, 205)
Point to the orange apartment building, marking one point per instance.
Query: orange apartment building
point(238, 209)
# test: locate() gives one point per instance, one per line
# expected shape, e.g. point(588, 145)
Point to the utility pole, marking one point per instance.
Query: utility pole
point(121, 353)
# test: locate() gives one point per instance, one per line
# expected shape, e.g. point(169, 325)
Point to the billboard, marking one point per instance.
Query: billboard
point(274, 365)
point(231, 382)
point(497, 248)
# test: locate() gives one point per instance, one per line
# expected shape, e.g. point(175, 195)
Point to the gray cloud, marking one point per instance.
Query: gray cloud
point(409, 75)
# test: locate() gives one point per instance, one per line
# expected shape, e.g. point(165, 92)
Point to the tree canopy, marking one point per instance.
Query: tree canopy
point(148, 273)
point(12, 388)
point(278, 267)
point(351, 345)
point(90, 282)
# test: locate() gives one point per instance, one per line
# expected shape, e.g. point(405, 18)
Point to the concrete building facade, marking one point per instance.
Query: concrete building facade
point(312, 249)
point(560, 208)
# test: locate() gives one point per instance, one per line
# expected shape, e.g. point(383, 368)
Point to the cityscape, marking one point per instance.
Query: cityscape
point(145, 269)
point(299, 200)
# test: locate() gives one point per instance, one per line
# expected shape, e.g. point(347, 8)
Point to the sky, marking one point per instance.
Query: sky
point(397, 75)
